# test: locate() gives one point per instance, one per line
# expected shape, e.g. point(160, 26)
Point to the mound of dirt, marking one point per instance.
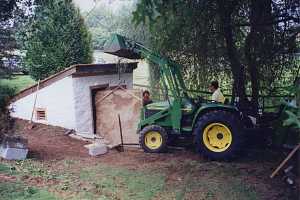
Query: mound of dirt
point(50, 142)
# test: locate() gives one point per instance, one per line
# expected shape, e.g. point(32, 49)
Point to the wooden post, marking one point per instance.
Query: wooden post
point(121, 134)
point(285, 160)
point(35, 98)
point(31, 125)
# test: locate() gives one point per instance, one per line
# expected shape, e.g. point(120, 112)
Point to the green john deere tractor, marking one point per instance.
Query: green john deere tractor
point(217, 129)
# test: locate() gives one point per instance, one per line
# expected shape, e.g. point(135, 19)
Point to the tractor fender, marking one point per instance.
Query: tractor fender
point(152, 119)
point(212, 107)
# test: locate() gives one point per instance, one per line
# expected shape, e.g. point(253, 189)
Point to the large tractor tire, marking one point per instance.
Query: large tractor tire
point(219, 135)
point(153, 139)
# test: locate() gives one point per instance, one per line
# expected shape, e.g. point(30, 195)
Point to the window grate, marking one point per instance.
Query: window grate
point(40, 114)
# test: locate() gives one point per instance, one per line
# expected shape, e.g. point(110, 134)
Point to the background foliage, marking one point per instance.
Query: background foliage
point(292, 119)
point(54, 38)
point(247, 45)
point(9, 15)
point(103, 21)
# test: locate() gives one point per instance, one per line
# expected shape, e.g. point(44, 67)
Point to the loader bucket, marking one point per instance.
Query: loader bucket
point(117, 46)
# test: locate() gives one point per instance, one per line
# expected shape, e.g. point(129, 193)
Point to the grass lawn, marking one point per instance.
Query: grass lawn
point(76, 180)
point(59, 167)
point(167, 180)
point(17, 190)
point(18, 82)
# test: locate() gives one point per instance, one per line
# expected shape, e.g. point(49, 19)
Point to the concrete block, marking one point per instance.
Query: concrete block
point(96, 149)
point(13, 153)
point(14, 148)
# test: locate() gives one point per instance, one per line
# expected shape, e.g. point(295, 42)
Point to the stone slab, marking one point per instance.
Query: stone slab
point(14, 147)
point(13, 153)
point(96, 149)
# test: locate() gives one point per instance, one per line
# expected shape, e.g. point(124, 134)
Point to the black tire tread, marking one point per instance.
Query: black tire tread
point(159, 129)
point(229, 119)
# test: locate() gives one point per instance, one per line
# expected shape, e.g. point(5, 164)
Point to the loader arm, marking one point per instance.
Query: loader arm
point(170, 71)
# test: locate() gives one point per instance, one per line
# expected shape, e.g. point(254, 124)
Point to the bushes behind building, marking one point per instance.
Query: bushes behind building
point(6, 123)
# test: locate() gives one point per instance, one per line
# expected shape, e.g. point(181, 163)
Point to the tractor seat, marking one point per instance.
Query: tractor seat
point(187, 107)
point(226, 102)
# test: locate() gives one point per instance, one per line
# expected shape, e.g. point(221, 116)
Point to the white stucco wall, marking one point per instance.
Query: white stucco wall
point(82, 98)
point(57, 99)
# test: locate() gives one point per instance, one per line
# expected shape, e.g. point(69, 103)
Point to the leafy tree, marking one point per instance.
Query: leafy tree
point(248, 41)
point(7, 41)
point(6, 121)
point(102, 22)
point(7, 46)
point(294, 113)
point(54, 38)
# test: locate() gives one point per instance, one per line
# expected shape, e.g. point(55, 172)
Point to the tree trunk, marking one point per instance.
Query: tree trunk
point(225, 9)
point(256, 42)
point(253, 71)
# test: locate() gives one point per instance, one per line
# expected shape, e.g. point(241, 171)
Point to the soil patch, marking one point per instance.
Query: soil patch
point(49, 142)
point(184, 174)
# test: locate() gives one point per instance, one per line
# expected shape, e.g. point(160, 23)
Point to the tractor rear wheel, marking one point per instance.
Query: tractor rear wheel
point(218, 135)
point(153, 139)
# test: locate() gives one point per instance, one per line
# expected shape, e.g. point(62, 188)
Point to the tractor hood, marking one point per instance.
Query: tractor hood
point(162, 105)
point(117, 45)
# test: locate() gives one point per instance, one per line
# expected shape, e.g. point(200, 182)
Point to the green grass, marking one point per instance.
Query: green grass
point(19, 191)
point(96, 182)
point(113, 182)
point(19, 82)
point(6, 169)
point(177, 179)
point(16, 190)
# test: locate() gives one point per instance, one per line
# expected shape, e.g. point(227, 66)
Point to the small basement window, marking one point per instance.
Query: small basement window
point(40, 114)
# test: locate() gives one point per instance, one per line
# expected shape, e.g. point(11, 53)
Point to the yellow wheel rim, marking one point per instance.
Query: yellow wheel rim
point(153, 140)
point(217, 137)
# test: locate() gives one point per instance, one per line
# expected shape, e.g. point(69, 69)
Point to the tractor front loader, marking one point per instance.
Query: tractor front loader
point(217, 128)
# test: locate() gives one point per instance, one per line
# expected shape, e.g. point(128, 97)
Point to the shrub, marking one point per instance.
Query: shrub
point(6, 121)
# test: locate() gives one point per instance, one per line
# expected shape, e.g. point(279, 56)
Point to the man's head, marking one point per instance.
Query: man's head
point(146, 95)
point(214, 85)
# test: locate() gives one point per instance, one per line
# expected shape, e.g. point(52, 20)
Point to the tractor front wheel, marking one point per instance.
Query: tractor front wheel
point(218, 135)
point(153, 139)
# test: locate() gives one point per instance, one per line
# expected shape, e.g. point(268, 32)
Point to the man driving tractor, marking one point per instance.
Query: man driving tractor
point(217, 95)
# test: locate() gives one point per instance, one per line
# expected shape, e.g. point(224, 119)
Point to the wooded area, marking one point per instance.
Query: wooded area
point(252, 42)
